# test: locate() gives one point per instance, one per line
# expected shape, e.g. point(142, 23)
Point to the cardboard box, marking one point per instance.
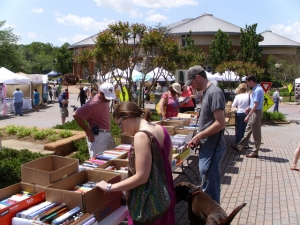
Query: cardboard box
point(185, 120)
point(118, 163)
point(126, 139)
point(47, 170)
point(8, 213)
point(170, 123)
point(107, 209)
point(90, 201)
point(192, 113)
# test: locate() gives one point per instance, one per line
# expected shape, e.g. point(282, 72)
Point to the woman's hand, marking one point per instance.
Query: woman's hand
point(103, 186)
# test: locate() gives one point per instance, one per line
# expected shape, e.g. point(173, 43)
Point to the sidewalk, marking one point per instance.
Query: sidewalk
point(270, 189)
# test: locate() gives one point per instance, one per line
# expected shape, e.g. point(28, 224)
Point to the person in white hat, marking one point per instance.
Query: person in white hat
point(170, 101)
point(96, 113)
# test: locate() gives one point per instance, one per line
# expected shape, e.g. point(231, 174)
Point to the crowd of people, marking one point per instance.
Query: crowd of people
point(93, 116)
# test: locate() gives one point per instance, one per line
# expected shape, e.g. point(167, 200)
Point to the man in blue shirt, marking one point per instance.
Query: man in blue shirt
point(18, 101)
point(253, 119)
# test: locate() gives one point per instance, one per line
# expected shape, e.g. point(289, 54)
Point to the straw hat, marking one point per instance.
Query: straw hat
point(176, 87)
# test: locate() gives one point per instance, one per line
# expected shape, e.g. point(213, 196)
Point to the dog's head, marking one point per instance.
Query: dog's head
point(182, 191)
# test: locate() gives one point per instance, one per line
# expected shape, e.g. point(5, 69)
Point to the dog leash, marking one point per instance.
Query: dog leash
point(204, 179)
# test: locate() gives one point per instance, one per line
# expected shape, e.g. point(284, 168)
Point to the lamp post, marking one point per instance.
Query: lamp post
point(277, 66)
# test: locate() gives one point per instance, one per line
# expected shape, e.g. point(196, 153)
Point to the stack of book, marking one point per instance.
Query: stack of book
point(14, 199)
point(110, 154)
point(85, 187)
point(123, 147)
point(179, 144)
point(52, 213)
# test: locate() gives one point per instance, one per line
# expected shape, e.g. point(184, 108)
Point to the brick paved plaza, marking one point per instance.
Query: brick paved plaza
point(270, 189)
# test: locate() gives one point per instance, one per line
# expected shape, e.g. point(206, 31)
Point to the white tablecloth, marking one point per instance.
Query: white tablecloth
point(27, 104)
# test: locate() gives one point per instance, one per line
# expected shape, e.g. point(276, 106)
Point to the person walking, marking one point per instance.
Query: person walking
point(210, 131)
point(36, 100)
point(132, 120)
point(276, 99)
point(50, 93)
point(18, 101)
point(253, 118)
point(241, 102)
point(82, 96)
point(63, 105)
point(96, 113)
point(295, 159)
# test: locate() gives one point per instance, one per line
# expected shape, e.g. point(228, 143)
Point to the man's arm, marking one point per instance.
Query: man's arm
point(218, 125)
point(84, 126)
point(251, 112)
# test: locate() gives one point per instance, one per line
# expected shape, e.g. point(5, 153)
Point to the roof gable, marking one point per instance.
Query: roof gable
point(205, 24)
point(274, 40)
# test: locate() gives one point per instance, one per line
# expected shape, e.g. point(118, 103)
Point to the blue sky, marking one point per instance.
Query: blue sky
point(71, 21)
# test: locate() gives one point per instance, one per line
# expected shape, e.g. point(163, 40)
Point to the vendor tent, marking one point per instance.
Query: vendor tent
point(53, 73)
point(227, 76)
point(9, 77)
point(117, 73)
point(161, 74)
point(136, 75)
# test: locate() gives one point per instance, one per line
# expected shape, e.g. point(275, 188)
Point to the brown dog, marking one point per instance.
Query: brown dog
point(201, 208)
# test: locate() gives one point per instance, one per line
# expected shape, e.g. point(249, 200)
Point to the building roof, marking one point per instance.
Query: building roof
point(274, 40)
point(204, 24)
point(90, 41)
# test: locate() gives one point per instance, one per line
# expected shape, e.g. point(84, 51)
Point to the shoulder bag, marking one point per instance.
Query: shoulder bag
point(158, 108)
point(150, 201)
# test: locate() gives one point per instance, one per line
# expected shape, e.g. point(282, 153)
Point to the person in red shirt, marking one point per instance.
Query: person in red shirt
point(187, 97)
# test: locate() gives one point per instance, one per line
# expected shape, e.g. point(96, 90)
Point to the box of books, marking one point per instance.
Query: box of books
point(18, 197)
point(47, 170)
point(80, 190)
point(119, 166)
point(180, 117)
point(170, 123)
point(107, 209)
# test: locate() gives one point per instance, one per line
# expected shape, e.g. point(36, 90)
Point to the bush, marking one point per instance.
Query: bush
point(10, 164)
point(82, 152)
point(273, 116)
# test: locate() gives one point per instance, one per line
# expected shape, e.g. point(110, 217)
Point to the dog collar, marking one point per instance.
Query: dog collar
point(191, 192)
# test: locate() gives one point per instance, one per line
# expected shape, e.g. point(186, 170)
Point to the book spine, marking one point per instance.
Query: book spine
point(55, 215)
point(67, 215)
point(34, 208)
point(36, 213)
point(50, 211)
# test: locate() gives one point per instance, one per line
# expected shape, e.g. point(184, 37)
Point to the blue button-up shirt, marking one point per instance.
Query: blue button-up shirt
point(257, 96)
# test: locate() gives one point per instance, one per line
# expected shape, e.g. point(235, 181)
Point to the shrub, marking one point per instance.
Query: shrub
point(10, 164)
point(39, 135)
point(11, 129)
point(273, 116)
point(70, 125)
point(82, 152)
point(23, 132)
point(65, 134)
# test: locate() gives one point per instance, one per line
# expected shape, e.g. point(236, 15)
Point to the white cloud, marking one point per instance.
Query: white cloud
point(37, 10)
point(72, 40)
point(290, 31)
point(85, 23)
point(156, 17)
point(128, 6)
point(32, 35)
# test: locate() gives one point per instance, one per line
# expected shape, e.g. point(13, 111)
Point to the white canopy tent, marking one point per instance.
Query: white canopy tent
point(228, 76)
point(117, 72)
point(9, 77)
point(161, 74)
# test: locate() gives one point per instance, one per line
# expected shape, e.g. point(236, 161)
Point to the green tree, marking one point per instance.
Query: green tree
point(64, 59)
point(83, 58)
point(219, 50)
point(10, 53)
point(250, 50)
point(190, 54)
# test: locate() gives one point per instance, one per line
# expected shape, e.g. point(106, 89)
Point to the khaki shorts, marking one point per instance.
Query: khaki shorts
point(102, 142)
point(64, 112)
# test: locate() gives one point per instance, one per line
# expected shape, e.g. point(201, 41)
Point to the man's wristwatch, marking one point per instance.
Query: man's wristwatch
point(109, 187)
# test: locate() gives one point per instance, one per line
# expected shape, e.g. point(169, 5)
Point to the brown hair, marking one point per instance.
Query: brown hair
point(130, 110)
point(251, 77)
